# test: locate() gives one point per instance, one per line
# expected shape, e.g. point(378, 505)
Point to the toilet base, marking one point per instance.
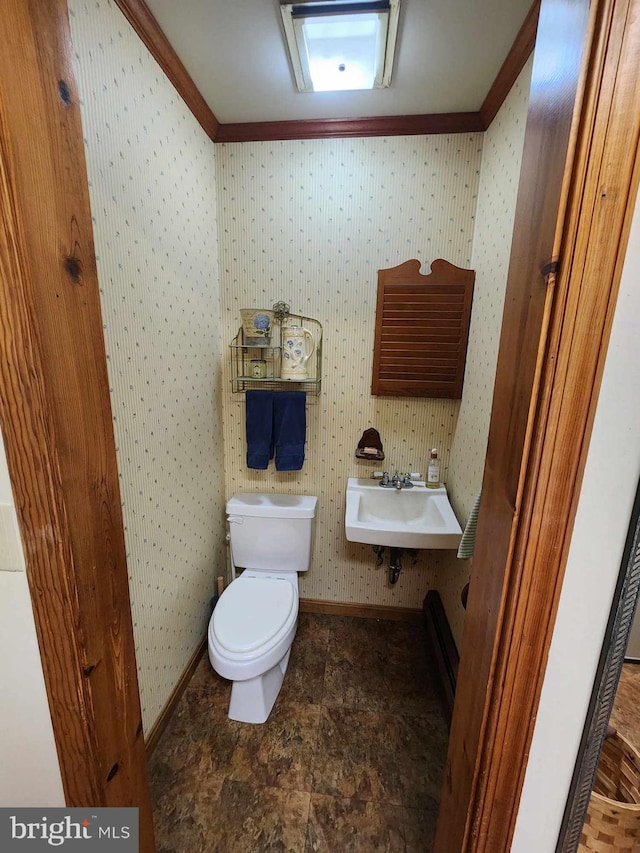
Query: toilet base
point(253, 699)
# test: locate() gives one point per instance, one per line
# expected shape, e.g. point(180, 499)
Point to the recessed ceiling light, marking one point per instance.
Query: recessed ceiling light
point(341, 44)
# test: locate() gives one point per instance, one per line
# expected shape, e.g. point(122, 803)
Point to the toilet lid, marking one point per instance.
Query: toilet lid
point(251, 611)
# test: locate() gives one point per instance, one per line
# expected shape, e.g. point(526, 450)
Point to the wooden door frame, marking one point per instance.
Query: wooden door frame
point(569, 245)
point(56, 420)
point(55, 414)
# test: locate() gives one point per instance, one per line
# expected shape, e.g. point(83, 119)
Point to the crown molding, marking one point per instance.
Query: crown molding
point(139, 16)
point(329, 128)
point(141, 19)
point(517, 57)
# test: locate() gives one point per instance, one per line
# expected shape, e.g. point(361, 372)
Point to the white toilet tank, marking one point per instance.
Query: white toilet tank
point(272, 532)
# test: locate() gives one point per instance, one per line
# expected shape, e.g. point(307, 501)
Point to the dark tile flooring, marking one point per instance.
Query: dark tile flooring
point(350, 759)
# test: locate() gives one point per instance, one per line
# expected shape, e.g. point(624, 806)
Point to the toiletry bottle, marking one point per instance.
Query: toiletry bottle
point(433, 470)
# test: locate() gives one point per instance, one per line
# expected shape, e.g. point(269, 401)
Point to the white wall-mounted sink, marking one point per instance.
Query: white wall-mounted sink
point(404, 518)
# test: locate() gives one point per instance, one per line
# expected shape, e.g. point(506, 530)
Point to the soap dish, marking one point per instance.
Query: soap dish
point(370, 445)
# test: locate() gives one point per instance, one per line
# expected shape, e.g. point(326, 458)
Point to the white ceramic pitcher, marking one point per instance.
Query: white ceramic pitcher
point(298, 345)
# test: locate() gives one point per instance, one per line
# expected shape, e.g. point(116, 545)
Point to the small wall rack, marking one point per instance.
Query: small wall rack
point(245, 358)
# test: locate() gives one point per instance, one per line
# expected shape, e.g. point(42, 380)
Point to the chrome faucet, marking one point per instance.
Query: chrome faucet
point(398, 481)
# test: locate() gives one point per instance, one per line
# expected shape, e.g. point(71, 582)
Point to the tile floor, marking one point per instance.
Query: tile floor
point(350, 759)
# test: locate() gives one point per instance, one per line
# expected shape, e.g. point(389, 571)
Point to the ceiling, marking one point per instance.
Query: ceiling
point(448, 55)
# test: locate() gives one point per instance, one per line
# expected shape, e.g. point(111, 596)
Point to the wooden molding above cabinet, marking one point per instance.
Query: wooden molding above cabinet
point(422, 328)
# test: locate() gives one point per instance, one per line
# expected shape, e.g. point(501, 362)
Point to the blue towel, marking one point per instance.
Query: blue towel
point(289, 429)
point(259, 416)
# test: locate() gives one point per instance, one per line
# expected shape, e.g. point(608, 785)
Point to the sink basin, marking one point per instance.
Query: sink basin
point(405, 518)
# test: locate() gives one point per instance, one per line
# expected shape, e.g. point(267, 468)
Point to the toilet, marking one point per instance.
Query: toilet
point(254, 622)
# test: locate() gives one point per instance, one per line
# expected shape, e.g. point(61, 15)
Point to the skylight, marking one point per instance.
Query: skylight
point(340, 45)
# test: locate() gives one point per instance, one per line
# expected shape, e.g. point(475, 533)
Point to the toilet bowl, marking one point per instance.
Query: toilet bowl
point(254, 622)
point(250, 637)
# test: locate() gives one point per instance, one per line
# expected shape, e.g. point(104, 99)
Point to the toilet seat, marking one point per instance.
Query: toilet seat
point(252, 613)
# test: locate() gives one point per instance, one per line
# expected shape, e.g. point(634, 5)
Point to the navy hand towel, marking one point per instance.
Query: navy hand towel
point(259, 416)
point(289, 429)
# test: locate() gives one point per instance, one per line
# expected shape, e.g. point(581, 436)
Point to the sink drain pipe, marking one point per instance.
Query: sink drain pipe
point(395, 565)
point(395, 560)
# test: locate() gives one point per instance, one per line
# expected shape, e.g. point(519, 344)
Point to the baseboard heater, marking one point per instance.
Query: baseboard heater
point(443, 647)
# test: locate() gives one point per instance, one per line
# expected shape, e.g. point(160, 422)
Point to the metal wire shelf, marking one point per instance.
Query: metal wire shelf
point(243, 354)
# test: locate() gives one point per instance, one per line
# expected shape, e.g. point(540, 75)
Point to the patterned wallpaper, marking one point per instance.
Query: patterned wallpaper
point(153, 199)
point(311, 222)
point(501, 160)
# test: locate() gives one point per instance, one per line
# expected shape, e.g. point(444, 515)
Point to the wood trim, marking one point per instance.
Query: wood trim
point(443, 647)
point(512, 66)
point(29, 436)
point(56, 418)
point(139, 16)
point(592, 252)
point(549, 137)
point(363, 611)
point(143, 22)
point(157, 730)
point(330, 128)
point(543, 406)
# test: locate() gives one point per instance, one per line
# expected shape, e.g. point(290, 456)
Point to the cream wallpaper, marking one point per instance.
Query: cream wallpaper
point(311, 222)
point(499, 176)
point(153, 198)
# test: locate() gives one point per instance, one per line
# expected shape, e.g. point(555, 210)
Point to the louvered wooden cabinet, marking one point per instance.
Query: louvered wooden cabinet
point(422, 329)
